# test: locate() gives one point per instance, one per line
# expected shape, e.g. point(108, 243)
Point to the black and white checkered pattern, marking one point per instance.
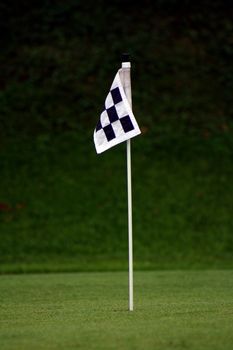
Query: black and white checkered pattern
point(117, 122)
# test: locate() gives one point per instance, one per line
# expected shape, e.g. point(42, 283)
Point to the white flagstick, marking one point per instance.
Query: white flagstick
point(130, 226)
point(127, 88)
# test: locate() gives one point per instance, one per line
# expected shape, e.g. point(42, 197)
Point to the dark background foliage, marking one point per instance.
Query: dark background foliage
point(64, 208)
point(58, 59)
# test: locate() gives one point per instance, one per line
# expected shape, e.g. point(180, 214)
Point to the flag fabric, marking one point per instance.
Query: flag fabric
point(117, 122)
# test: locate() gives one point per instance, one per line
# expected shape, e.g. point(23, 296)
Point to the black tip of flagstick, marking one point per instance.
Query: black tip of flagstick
point(125, 57)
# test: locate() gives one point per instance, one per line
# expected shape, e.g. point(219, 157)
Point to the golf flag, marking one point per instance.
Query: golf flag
point(117, 122)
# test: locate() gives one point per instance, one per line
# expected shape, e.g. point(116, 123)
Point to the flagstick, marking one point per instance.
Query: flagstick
point(130, 226)
point(127, 88)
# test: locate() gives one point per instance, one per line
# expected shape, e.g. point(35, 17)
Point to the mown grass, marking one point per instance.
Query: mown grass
point(63, 208)
point(173, 310)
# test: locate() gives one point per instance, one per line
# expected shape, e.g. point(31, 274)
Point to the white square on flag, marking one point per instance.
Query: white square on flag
point(117, 122)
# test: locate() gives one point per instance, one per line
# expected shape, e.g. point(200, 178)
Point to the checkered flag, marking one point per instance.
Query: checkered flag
point(117, 122)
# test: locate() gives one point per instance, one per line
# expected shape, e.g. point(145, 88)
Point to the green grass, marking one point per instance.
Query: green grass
point(64, 216)
point(173, 310)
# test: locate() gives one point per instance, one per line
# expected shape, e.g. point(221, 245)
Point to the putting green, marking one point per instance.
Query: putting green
point(173, 310)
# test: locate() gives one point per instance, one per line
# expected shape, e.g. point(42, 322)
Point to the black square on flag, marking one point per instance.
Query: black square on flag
point(116, 96)
point(126, 123)
point(112, 114)
point(109, 132)
point(98, 126)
